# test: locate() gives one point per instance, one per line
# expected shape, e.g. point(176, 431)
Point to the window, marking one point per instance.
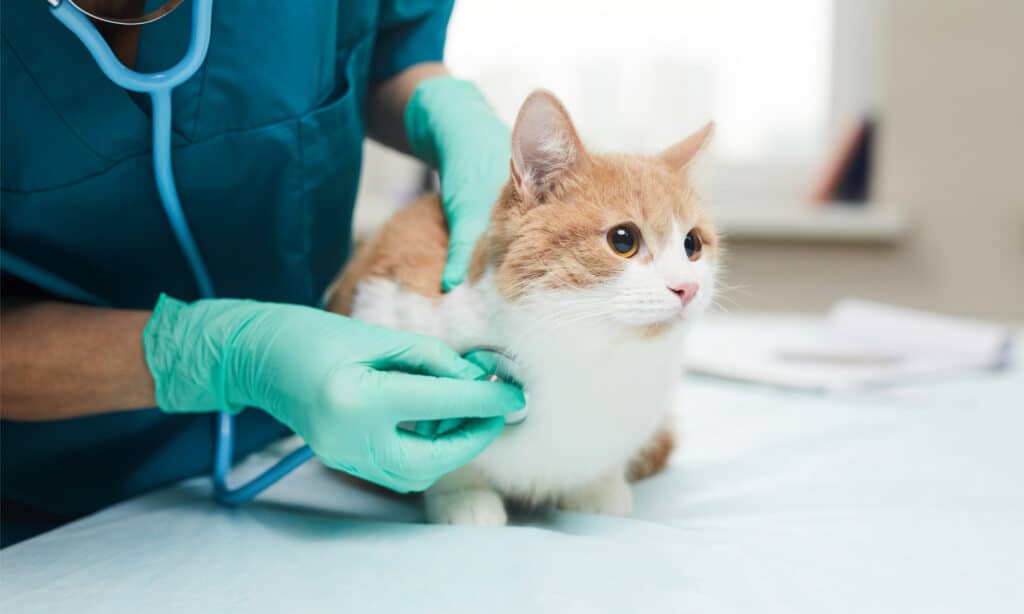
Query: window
point(638, 76)
point(781, 79)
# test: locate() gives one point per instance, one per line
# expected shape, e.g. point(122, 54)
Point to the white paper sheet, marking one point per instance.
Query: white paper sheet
point(859, 344)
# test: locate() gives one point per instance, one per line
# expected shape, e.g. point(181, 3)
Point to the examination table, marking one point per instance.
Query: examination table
point(903, 499)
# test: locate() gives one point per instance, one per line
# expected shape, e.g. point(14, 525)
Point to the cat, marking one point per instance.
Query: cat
point(588, 275)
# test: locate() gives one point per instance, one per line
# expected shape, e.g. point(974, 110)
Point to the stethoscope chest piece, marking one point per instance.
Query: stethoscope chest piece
point(516, 417)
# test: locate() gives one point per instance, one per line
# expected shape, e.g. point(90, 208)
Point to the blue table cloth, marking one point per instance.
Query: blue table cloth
point(906, 499)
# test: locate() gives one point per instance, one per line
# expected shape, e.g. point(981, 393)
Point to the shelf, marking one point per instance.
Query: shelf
point(868, 223)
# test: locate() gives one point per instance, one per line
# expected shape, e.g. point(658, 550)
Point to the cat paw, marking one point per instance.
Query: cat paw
point(470, 508)
point(610, 497)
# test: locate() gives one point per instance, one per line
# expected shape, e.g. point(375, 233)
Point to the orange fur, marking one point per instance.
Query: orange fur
point(653, 457)
point(410, 248)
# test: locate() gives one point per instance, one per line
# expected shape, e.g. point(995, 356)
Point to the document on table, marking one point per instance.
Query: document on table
point(859, 344)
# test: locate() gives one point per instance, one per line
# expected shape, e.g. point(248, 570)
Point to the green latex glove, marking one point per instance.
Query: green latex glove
point(341, 384)
point(492, 367)
point(451, 126)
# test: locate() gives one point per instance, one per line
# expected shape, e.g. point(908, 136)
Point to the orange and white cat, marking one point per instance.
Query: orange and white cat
point(588, 274)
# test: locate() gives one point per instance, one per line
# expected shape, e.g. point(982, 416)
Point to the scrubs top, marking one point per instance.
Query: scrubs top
point(267, 141)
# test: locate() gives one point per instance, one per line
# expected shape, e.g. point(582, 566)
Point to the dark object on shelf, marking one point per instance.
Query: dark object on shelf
point(847, 177)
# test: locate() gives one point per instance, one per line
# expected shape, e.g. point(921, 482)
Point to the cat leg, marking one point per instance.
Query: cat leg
point(465, 497)
point(653, 457)
point(610, 495)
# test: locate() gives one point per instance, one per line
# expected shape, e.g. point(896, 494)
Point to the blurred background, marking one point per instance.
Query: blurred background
point(866, 148)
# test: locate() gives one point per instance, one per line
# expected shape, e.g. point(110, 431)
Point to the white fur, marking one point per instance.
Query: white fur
point(598, 389)
point(610, 495)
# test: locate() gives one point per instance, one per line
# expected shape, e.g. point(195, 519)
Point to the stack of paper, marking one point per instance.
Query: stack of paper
point(858, 344)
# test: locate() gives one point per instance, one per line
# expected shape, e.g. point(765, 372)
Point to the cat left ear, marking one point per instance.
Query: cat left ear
point(682, 154)
point(545, 147)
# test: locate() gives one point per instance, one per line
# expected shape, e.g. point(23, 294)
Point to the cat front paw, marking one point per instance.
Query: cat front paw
point(477, 507)
point(611, 496)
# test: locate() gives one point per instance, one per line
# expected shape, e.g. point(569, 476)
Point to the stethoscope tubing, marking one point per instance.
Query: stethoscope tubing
point(159, 86)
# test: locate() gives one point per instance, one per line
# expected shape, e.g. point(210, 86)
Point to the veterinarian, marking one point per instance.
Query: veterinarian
point(111, 367)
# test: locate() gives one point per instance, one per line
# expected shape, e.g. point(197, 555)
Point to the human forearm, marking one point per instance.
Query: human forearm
point(342, 385)
point(385, 112)
point(60, 360)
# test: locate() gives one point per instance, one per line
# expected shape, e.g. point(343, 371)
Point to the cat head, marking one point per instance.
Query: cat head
point(601, 238)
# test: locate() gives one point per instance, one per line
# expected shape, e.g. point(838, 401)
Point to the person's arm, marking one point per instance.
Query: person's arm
point(344, 386)
point(385, 110)
point(415, 107)
point(447, 124)
point(60, 360)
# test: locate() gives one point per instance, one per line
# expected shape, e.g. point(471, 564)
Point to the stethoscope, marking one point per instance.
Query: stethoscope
point(159, 86)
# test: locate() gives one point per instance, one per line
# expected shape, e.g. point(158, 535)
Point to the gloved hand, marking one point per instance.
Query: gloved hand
point(341, 384)
point(451, 126)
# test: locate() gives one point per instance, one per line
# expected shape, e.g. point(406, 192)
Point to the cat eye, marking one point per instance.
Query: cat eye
point(692, 245)
point(624, 240)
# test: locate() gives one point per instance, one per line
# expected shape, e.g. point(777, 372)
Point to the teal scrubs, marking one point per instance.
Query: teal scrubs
point(267, 148)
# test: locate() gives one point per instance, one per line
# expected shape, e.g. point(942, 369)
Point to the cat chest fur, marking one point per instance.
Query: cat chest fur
point(595, 394)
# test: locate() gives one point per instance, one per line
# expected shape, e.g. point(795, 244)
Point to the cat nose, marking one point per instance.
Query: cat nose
point(685, 291)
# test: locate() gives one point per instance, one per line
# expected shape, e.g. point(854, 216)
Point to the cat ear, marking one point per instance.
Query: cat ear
point(680, 155)
point(545, 146)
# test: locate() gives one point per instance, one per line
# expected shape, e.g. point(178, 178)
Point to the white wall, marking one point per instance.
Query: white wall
point(951, 152)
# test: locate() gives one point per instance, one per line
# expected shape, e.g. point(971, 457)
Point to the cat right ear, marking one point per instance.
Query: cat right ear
point(545, 146)
point(682, 154)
